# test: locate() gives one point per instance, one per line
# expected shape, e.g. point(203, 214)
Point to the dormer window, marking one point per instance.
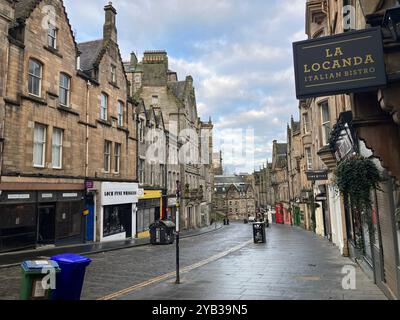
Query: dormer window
point(52, 37)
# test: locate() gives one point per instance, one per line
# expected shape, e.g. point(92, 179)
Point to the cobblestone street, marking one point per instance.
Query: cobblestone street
point(294, 264)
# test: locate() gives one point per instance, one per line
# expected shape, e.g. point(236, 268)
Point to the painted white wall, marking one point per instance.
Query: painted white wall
point(337, 219)
point(320, 220)
point(115, 237)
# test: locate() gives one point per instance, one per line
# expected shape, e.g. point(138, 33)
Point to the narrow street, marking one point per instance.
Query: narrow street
point(226, 264)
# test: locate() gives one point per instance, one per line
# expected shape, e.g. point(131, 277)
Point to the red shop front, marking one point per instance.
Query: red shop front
point(280, 213)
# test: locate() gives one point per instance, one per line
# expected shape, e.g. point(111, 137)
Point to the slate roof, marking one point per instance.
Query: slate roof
point(23, 8)
point(90, 52)
point(178, 88)
point(281, 161)
point(228, 180)
point(295, 127)
point(281, 148)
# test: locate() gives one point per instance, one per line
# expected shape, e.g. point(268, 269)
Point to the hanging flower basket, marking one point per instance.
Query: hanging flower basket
point(356, 179)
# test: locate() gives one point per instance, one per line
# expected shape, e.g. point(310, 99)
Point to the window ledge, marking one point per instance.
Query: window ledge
point(34, 98)
point(87, 124)
point(52, 94)
point(68, 110)
point(53, 51)
point(105, 123)
point(114, 84)
point(123, 129)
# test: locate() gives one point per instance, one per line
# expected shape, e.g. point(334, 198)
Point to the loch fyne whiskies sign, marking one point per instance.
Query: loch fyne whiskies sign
point(343, 63)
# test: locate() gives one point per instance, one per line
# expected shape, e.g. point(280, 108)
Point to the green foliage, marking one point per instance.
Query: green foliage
point(355, 179)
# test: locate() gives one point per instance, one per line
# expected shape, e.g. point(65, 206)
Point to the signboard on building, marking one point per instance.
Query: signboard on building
point(89, 184)
point(343, 63)
point(317, 175)
point(119, 193)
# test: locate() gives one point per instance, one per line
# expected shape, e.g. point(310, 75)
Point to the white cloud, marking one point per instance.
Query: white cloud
point(238, 52)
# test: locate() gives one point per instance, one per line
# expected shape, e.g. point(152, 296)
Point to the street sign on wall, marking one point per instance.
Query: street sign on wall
point(343, 63)
point(317, 175)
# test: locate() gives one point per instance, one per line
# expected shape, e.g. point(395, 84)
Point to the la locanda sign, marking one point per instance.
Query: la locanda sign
point(344, 63)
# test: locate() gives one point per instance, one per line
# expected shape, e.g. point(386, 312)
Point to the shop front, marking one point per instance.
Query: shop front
point(171, 208)
point(279, 214)
point(35, 218)
point(150, 208)
point(118, 210)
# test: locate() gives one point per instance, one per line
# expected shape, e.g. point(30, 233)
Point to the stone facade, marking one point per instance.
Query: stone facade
point(188, 161)
point(234, 197)
point(54, 137)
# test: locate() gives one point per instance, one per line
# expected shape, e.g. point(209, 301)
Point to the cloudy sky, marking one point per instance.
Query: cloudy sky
point(239, 53)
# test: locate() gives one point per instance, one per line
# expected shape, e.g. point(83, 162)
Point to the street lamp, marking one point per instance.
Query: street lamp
point(392, 22)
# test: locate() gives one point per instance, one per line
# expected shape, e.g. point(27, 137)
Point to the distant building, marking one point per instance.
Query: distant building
point(217, 164)
point(234, 197)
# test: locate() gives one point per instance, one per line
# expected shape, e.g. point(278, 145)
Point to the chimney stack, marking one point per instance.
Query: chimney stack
point(110, 28)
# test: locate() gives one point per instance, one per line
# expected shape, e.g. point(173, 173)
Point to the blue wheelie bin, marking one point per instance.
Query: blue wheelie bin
point(70, 280)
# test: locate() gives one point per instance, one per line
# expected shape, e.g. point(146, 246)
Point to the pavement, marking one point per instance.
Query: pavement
point(13, 259)
point(224, 265)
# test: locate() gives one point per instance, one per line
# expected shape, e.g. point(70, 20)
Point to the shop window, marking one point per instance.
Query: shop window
point(145, 217)
point(17, 226)
point(68, 219)
point(113, 220)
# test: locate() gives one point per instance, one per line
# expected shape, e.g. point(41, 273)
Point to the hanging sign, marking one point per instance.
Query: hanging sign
point(343, 63)
point(317, 175)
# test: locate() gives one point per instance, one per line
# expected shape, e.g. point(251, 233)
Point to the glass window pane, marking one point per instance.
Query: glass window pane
point(325, 112)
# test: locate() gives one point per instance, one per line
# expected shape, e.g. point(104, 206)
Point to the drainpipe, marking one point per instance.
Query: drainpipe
point(88, 85)
point(3, 124)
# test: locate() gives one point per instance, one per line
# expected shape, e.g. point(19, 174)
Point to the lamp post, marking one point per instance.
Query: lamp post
point(178, 204)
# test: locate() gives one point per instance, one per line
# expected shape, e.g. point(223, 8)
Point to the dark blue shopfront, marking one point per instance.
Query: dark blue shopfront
point(34, 218)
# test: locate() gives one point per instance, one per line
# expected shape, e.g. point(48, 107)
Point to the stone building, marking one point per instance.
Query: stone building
point(152, 172)
point(234, 197)
point(217, 163)
point(280, 183)
point(342, 126)
point(66, 121)
point(294, 157)
point(188, 158)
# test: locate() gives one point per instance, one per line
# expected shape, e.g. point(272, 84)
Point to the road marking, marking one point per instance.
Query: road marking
point(167, 276)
